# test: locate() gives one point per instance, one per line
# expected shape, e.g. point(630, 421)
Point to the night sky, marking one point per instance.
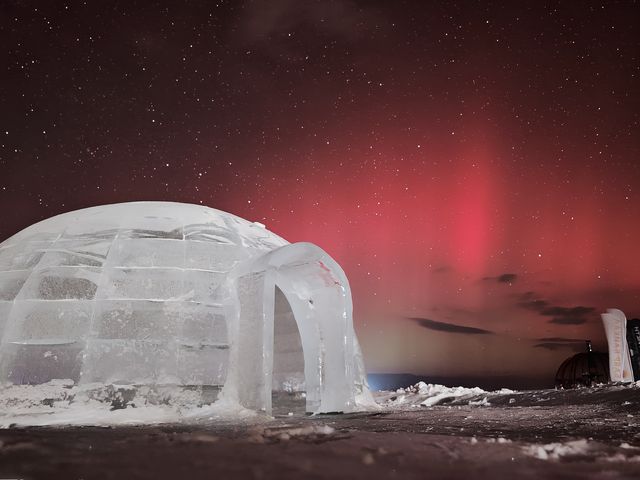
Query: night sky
point(473, 166)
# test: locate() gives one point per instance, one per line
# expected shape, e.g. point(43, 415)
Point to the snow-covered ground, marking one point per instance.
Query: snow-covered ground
point(60, 402)
point(422, 430)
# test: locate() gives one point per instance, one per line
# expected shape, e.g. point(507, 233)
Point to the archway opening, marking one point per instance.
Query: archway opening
point(319, 297)
point(288, 381)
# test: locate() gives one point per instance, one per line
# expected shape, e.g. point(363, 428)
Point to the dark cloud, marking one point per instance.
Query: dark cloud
point(557, 343)
point(448, 327)
point(559, 315)
point(552, 346)
point(568, 316)
point(535, 305)
point(530, 301)
point(561, 339)
point(504, 278)
point(507, 278)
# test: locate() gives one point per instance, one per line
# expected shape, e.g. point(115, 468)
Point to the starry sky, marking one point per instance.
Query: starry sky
point(474, 166)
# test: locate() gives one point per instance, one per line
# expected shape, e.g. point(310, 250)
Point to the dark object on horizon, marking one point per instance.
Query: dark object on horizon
point(583, 369)
point(633, 340)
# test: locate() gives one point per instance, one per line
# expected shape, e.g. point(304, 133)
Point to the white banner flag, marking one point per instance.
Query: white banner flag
point(615, 327)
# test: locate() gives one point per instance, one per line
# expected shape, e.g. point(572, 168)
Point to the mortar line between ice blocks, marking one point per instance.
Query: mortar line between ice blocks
point(181, 328)
point(218, 345)
point(119, 267)
point(158, 341)
point(9, 329)
point(184, 269)
point(31, 271)
point(3, 366)
point(42, 343)
point(233, 231)
point(97, 297)
point(151, 300)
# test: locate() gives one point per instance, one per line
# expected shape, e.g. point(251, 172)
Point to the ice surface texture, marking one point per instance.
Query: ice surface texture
point(160, 293)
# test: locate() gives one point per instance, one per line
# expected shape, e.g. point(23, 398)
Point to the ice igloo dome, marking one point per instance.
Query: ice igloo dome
point(160, 293)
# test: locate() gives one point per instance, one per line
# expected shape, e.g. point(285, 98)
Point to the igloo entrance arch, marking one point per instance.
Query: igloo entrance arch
point(160, 293)
point(320, 300)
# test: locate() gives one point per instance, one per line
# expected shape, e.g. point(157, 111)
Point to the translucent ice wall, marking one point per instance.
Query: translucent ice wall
point(127, 294)
point(158, 293)
point(319, 296)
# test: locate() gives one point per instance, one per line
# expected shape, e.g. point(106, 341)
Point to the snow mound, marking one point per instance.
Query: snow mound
point(557, 450)
point(582, 448)
point(282, 434)
point(428, 394)
point(60, 402)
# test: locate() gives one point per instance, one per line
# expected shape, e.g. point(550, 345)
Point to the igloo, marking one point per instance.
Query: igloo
point(161, 293)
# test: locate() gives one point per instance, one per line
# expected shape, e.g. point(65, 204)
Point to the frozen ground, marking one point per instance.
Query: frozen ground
point(424, 431)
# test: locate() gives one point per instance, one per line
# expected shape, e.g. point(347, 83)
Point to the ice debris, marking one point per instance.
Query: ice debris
point(557, 450)
point(428, 394)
